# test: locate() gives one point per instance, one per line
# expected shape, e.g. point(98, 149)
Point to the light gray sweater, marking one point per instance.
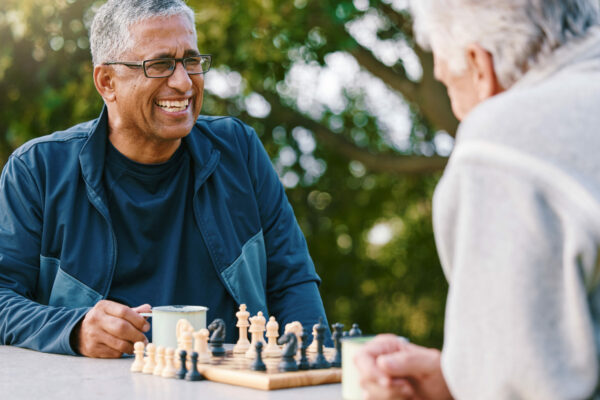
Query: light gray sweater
point(517, 225)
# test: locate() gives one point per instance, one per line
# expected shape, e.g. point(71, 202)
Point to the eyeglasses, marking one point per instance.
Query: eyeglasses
point(165, 67)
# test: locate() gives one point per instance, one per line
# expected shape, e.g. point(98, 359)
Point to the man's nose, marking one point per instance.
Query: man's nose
point(180, 79)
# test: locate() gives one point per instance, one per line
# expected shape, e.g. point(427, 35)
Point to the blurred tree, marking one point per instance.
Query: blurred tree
point(344, 102)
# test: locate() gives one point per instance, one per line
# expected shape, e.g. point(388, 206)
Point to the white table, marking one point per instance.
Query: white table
point(27, 374)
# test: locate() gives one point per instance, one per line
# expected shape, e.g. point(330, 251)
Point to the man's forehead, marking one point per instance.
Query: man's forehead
point(163, 37)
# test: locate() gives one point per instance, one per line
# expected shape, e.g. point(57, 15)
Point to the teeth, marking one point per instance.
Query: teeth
point(173, 105)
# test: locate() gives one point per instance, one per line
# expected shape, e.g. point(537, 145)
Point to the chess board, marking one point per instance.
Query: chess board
point(234, 369)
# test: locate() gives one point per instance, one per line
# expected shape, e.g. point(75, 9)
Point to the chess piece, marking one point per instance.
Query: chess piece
point(180, 374)
point(183, 325)
point(243, 343)
point(160, 361)
point(355, 331)
point(257, 328)
point(336, 337)
point(296, 328)
point(320, 361)
point(258, 364)
point(201, 346)
point(187, 343)
point(288, 362)
point(193, 374)
point(313, 346)
point(303, 363)
point(272, 349)
point(169, 369)
point(138, 363)
point(149, 363)
point(217, 337)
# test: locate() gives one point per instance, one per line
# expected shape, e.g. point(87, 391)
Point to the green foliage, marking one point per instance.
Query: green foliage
point(46, 85)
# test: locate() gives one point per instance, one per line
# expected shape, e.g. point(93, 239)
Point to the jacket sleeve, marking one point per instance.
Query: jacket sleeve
point(520, 259)
point(23, 321)
point(292, 282)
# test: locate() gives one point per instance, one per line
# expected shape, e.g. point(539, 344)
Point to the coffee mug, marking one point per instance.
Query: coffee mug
point(165, 318)
point(350, 378)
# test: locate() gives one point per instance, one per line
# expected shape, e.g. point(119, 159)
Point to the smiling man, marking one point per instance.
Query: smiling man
point(149, 204)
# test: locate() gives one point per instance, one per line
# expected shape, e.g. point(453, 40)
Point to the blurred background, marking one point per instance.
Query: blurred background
point(344, 102)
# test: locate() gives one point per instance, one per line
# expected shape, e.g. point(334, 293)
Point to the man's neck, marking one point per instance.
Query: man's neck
point(143, 151)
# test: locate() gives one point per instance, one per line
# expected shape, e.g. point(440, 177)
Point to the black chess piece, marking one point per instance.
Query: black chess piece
point(320, 361)
point(303, 363)
point(288, 362)
point(336, 337)
point(355, 331)
point(217, 337)
point(193, 374)
point(258, 364)
point(182, 370)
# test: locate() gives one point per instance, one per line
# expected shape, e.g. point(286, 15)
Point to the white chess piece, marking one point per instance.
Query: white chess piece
point(272, 349)
point(201, 346)
point(138, 364)
point(183, 325)
point(257, 328)
point(160, 361)
point(313, 346)
point(149, 363)
point(187, 343)
point(243, 344)
point(169, 369)
point(296, 328)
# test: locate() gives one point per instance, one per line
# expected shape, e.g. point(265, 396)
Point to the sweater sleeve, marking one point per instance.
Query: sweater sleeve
point(292, 282)
point(23, 321)
point(521, 317)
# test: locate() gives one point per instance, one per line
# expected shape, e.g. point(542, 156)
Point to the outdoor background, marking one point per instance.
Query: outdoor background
point(344, 103)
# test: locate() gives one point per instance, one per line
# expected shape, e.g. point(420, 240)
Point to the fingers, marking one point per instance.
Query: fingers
point(413, 361)
point(396, 389)
point(144, 308)
point(127, 314)
point(365, 360)
point(110, 329)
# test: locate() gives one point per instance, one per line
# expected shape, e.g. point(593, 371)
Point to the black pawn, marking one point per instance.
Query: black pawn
point(336, 336)
point(183, 370)
point(355, 331)
point(320, 361)
point(258, 364)
point(303, 363)
point(193, 374)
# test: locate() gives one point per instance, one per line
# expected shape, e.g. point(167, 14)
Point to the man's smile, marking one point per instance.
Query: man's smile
point(173, 105)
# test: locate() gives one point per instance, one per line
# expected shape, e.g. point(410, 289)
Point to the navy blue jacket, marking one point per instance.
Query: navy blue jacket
point(58, 249)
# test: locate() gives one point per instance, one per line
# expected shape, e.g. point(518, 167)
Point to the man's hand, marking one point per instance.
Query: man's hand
point(110, 329)
point(392, 368)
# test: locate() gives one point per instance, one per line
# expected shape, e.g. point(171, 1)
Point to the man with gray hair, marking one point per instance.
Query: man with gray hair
point(148, 204)
point(517, 212)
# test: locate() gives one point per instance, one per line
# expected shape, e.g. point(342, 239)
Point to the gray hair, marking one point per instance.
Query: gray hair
point(109, 34)
point(518, 33)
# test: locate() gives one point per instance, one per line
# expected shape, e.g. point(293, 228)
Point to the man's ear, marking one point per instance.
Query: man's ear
point(104, 79)
point(481, 63)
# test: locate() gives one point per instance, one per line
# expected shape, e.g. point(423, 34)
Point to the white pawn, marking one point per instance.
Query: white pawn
point(138, 364)
point(169, 369)
point(243, 344)
point(201, 346)
point(150, 363)
point(272, 349)
point(257, 327)
point(160, 361)
point(313, 346)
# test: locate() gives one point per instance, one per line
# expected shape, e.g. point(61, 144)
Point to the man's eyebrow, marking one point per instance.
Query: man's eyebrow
point(187, 53)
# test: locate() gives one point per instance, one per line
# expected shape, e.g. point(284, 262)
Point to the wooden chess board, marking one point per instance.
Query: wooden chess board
point(234, 369)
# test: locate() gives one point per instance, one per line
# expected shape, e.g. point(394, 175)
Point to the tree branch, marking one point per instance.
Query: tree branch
point(396, 164)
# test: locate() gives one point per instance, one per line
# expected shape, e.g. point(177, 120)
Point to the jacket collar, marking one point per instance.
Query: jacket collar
point(92, 155)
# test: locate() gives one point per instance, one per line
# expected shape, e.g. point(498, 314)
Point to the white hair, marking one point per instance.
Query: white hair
point(519, 34)
point(109, 34)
